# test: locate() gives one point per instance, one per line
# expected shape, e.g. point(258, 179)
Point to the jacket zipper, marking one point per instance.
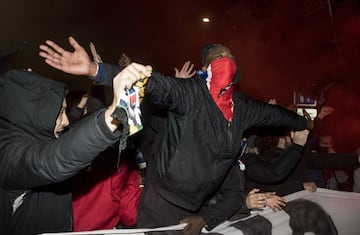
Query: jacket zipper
point(229, 138)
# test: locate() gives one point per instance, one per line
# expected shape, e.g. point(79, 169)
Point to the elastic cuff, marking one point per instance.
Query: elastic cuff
point(97, 67)
point(106, 130)
point(100, 70)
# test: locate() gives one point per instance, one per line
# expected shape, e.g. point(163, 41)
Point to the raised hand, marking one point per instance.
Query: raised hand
point(128, 76)
point(272, 101)
point(96, 56)
point(124, 80)
point(186, 71)
point(124, 60)
point(325, 111)
point(77, 62)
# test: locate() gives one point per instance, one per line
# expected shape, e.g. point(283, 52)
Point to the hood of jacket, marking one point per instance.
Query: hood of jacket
point(31, 102)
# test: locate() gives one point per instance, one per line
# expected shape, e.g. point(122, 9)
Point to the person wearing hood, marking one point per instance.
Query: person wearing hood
point(37, 156)
point(198, 147)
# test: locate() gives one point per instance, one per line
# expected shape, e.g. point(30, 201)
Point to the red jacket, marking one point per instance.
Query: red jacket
point(102, 199)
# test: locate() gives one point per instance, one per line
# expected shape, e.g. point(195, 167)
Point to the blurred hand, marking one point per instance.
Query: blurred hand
point(83, 101)
point(194, 225)
point(299, 137)
point(254, 199)
point(186, 71)
point(310, 122)
point(96, 56)
point(325, 111)
point(310, 186)
point(124, 60)
point(274, 201)
point(272, 101)
point(76, 62)
point(292, 107)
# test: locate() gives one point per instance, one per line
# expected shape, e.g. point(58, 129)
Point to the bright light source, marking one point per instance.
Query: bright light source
point(205, 20)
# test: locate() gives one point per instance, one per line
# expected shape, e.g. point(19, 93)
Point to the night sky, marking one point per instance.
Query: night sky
point(281, 46)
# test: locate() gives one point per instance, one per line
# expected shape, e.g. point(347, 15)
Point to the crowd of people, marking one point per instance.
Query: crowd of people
point(206, 152)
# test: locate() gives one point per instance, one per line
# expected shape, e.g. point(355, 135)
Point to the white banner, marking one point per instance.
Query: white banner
point(342, 207)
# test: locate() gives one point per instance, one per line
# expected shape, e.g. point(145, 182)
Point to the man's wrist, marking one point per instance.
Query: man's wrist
point(109, 120)
point(93, 69)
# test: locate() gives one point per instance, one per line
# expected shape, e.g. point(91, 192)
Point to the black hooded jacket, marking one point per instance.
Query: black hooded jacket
point(34, 166)
point(197, 146)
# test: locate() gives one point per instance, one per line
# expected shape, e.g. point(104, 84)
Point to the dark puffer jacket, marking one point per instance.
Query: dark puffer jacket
point(34, 166)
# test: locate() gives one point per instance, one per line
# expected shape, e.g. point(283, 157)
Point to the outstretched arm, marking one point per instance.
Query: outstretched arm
point(77, 62)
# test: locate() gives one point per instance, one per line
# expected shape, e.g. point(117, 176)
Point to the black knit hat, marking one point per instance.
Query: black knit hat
point(204, 52)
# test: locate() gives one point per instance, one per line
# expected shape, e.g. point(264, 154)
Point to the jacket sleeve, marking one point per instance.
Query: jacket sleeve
point(106, 73)
point(229, 199)
point(169, 92)
point(261, 114)
point(27, 163)
point(175, 94)
point(270, 172)
point(331, 160)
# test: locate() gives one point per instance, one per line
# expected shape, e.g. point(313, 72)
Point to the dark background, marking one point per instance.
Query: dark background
point(308, 46)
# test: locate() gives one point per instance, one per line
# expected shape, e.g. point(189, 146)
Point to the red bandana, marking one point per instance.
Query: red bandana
point(221, 73)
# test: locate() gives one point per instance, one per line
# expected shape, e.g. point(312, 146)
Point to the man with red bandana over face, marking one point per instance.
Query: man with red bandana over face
point(195, 155)
point(192, 175)
point(219, 82)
